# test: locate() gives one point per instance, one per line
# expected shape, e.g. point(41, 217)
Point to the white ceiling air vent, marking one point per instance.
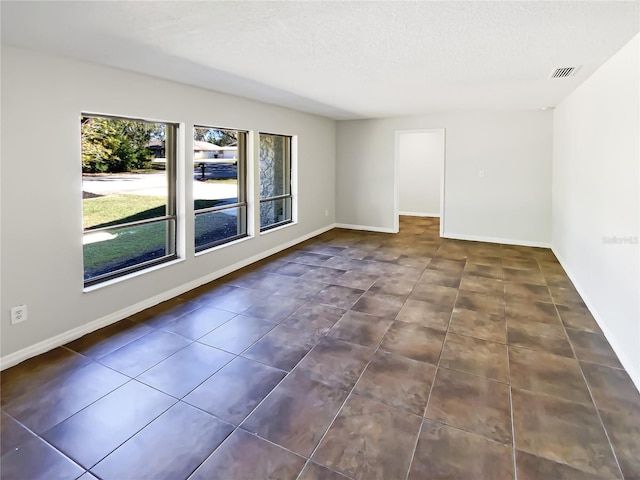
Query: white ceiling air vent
point(563, 72)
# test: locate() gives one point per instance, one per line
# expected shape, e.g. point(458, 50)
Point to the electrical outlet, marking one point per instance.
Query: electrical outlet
point(326, 213)
point(18, 314)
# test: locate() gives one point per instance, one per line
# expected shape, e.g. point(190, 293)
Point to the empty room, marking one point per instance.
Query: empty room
point(305, 240)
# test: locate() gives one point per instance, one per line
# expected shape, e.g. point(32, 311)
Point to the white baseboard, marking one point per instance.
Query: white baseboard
point(419, 214)
point(504, 241)
point(364, 227)
point(622, 356)
point(75, 333)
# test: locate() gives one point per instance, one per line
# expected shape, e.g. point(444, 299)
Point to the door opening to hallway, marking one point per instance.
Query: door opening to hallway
point(420, 173)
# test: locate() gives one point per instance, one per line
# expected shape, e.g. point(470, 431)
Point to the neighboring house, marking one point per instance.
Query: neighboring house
point(204, 149)
point(201, 151)
point(211, 150)
point(157, 147)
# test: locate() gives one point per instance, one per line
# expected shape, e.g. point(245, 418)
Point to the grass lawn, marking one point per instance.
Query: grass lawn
point(116, 209)
point(129, 245)
point(214, 227)
point(132, 245)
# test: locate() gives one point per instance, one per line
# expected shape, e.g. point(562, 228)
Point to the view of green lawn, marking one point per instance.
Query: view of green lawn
point(115, 209)
point(132, 243)
point(127, 243)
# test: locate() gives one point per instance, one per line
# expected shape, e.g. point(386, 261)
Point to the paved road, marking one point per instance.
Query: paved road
point(152, 184)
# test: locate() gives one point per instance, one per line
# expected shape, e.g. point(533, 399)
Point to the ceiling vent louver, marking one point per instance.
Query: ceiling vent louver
point(563, 72)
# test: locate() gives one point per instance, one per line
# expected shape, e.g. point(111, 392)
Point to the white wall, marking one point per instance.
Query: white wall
point(511, 203)
point(595, 195)
point(420, 164)
point(42, 99)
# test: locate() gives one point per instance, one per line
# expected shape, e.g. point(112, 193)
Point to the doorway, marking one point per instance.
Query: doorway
point(419, 174)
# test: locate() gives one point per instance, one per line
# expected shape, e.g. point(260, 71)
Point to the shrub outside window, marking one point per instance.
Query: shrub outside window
point(128, 195)
point(219, 186)
point(275, 181)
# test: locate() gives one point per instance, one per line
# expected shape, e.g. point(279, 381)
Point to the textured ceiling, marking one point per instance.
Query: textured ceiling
point(341, 59)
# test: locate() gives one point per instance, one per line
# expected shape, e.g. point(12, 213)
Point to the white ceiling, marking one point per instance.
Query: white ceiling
point(342, 59)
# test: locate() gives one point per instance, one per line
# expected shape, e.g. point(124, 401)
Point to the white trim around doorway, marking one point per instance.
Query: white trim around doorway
point(396, 171)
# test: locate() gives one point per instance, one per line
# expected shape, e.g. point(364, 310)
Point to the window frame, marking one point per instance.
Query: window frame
point(288, 167)
point(172, 135)
point(242, 204)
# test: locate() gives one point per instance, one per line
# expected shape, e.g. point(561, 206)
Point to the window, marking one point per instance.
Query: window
point(128, 195)
point(275, 181)
point(219, 186)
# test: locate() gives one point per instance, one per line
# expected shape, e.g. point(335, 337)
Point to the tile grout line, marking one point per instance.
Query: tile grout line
point(362, 373)
point(513, 428)
point(262, 401)
point(235, 356)
point(273, 389)
point(439, 368)
point(129, 380)
point(351, 392)
point(155, 329)
point(425, 406)
point(348, 395)
point(69, 457)
point(593, 401)
point(237, 427)
point(134, 434)
point(308, 460)
point(435, 376)
point(177, 399)
point(44, 440)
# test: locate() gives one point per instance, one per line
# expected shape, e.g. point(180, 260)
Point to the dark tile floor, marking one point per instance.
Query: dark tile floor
point(354, 355)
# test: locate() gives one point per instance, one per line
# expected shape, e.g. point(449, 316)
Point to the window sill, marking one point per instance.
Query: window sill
point(128, 276)
point(281, 227)
point(223, 245)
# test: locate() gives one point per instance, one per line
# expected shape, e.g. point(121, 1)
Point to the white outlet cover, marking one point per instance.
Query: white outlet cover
point(18, 314)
